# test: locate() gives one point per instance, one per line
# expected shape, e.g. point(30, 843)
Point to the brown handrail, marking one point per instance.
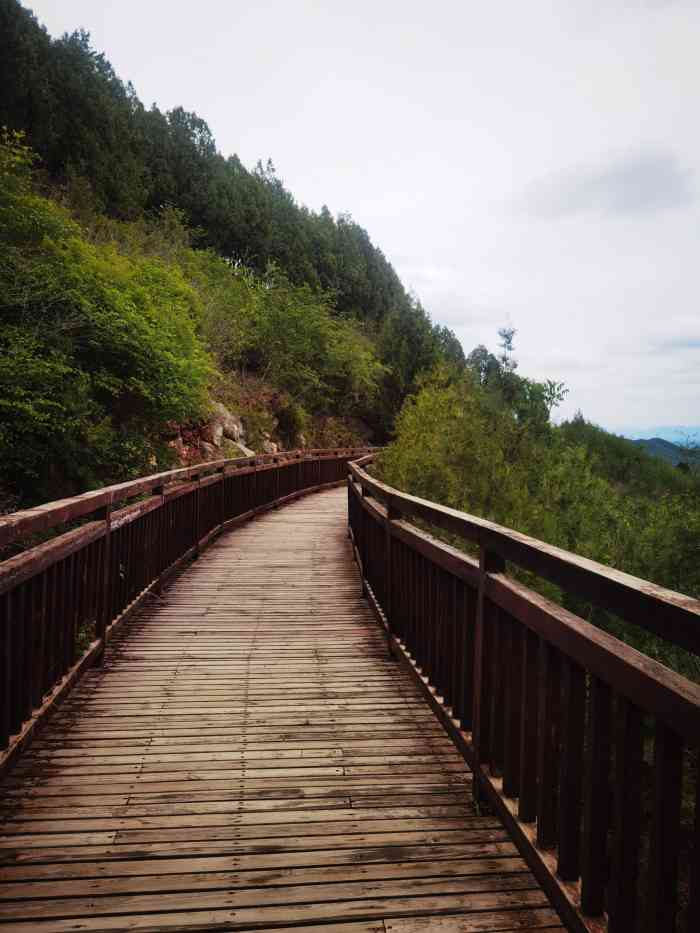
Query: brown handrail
point(555, 717)
point(69, 592)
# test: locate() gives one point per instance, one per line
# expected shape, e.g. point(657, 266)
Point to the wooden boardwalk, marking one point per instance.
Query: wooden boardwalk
point(250, 758)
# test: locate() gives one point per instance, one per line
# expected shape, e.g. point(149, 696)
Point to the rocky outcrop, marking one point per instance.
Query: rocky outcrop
point(222, 424)
point(221, 436)
point(269, 446)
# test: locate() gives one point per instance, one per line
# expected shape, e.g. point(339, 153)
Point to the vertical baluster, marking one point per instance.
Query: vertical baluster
point(596, 807)
point(27, 623)
point(72, 626)
point(118, 543)
point(527, 801)
point(512, 709)
point(64, 614)
point(445, 633)
point(31, 636)
point(435, 626)
point(37, 681)
point(422, 580)
point(63, 609)
point(488, 563)
point(454, 650)
point(573, 699)
point(124, 568)
point(224, 497)
point(500, 648)
point(134, 561)
point(412, 638)
point(548, 746)
point(112, 559)
point(48, 629)
point(467, 617)
point(16, 619)
point(141, 532)
point(662, 883)
point(693, 919)
point(622, 888)
point(392, 584)
point(443, 652)
point(430, 620)
point(91, 581)
point(424, 621)
point(80, 589)
point(398, 597)
point(6, 657)
point(458, 646)
point(55, 621)
point(152, 549)
point(196, 497)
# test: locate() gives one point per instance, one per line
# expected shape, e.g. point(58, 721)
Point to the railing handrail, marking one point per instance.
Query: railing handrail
point(43, 517)
point(670, 615)
point(643, 680)
point(555, 717)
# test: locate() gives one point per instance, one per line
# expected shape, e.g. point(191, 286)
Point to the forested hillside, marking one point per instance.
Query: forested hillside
point(665, 450)
point(145, 274)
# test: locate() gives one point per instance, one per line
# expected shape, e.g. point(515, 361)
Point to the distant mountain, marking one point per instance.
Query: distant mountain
point(665, 450)
point(681, 434)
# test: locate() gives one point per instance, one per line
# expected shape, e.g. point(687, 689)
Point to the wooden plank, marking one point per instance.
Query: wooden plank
point(481, 853)
point(187, 880)
point(243, 918)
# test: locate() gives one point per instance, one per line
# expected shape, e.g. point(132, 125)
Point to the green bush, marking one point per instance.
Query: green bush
point(98, 350)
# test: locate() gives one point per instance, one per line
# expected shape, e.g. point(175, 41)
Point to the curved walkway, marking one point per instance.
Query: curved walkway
point(249, 757)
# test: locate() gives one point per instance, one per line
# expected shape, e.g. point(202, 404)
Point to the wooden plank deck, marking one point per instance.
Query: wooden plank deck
point(250, 758)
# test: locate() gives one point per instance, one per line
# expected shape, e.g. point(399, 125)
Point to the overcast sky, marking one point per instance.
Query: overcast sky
point(532, 164)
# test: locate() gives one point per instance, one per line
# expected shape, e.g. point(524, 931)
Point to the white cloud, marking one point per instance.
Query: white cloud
point(642, 183)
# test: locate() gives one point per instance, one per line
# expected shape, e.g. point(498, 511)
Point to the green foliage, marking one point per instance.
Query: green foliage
point(97, 350)
point(574, 486)
point(109, 328)
point(623, 461)
point(322, 361)
point(531, 402)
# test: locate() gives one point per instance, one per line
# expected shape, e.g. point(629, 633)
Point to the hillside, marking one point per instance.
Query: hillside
point(664, 450)
point(147, 280)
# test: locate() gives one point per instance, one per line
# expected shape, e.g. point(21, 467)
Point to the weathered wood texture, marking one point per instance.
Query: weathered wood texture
point(586, 748)
point(251, 757)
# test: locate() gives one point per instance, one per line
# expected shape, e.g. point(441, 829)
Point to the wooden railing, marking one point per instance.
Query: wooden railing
point(586, 748)
point(60, 599)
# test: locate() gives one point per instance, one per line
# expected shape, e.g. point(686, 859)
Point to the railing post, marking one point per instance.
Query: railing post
point(6, 673)
point(197, 523)
point(160, 531)
point(222, 471)
point(105, 604)
point(392, 515)
point(489, 562)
